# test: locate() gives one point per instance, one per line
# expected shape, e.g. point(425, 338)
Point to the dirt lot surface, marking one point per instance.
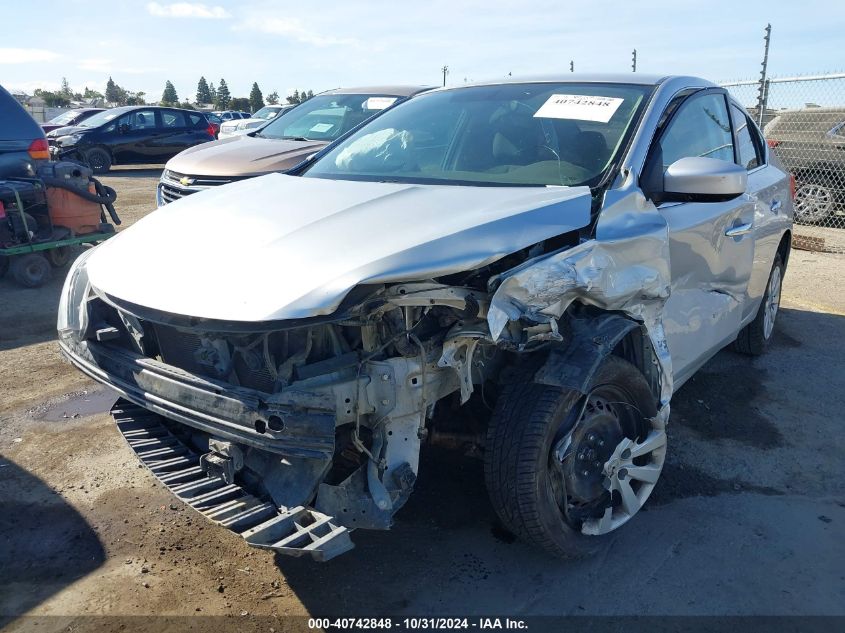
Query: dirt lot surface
point(747, 519)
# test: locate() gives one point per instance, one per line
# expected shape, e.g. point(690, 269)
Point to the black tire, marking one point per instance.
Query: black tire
point(98, 160)
point(31, 270)
point(58, 257)
point(526, 426)
point(754, 339)
point(4, 265)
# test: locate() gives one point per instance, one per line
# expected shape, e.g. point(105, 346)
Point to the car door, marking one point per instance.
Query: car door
point(711, 244)
point(179, 131)
point(769, 187)
point(134, 135)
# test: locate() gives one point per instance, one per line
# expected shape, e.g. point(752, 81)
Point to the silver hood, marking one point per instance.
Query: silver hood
point(283, 247)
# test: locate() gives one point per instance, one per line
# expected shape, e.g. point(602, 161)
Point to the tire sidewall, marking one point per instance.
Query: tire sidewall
point(765, 342)
point(22, 263)
point(106, 163)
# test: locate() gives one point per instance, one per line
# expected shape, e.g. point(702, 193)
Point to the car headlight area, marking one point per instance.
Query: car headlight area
point(72, 320)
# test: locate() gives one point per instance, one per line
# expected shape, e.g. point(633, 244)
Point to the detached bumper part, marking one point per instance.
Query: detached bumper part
point(294, 531)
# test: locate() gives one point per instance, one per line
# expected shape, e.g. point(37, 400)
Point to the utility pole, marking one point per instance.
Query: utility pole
point(763, 90)
point(634, 61)
point(445, 70)
point(571, 65)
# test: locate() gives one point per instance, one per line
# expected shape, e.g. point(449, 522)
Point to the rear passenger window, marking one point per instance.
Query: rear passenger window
point(749, 146)
point(196, 119)
point(172, 119)
point(700, 128)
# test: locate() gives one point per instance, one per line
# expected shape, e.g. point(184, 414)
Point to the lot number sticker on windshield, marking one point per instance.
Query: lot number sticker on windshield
point(322, 127)
point(379, 103)
point(580, 107)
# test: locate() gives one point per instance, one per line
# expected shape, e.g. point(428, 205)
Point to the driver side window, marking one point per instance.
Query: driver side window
point(701, 127)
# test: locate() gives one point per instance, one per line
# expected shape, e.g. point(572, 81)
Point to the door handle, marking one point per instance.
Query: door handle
point(739, 229)
point(776, 205)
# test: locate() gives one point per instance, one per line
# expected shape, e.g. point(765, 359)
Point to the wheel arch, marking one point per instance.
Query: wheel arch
point(591, 339)
point(104, 148)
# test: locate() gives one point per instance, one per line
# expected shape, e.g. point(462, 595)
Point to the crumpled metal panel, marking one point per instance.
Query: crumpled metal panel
point(625, 268)
point(286, 247)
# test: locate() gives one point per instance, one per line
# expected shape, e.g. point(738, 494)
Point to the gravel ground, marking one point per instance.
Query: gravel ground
point(747, 518)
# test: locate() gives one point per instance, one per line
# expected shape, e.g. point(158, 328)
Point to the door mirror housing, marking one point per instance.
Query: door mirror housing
point(700, 179)
point(123, 128)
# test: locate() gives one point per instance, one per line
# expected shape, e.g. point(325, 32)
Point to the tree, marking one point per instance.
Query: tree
point(299, 97)
point(91, 94)
point(186, 105)
point(223, 96)
point(273, 98)
point(213, 92)
point(135, 98)
point(203, 92)
point(239, 103)
point(112, 91)
point(65, 90)
point(52, 99)
point(169, 96)
point(256, 99)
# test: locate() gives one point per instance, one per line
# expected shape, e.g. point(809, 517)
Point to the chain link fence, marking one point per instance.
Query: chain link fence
point(803, 120)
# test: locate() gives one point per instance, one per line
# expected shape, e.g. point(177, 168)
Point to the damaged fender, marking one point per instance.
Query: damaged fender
point(625, 268)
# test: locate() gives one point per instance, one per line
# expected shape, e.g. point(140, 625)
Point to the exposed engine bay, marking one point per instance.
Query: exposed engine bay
point(349, 397)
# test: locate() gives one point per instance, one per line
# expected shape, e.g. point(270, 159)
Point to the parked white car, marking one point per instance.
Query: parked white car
point(241, 126)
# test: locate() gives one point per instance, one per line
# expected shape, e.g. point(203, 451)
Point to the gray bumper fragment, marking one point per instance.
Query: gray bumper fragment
point(294, 531)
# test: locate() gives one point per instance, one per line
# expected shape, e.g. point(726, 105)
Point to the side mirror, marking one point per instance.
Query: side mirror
point(123, 128)
point(698, 179)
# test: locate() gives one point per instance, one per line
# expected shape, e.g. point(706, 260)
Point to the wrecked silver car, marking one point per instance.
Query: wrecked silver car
point(564, 252)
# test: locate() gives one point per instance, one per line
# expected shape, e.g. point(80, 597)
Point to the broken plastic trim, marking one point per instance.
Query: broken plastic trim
point(291, 531)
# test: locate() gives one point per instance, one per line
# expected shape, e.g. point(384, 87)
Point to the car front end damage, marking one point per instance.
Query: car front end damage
point(327, 415)
point(294, 431)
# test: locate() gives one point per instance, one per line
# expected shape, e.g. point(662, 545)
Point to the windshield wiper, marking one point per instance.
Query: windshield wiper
point(295, 138)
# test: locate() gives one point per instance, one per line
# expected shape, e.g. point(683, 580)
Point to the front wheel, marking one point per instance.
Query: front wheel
point(564, 469)
point(98, 160)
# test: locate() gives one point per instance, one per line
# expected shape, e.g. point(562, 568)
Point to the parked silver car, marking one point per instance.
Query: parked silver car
point(567, 251)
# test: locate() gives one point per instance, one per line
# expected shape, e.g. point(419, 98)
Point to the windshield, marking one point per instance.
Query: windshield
point(266, 113)
point(103, 117)
point(65, 117)
point(326, 117)
point(511, 134)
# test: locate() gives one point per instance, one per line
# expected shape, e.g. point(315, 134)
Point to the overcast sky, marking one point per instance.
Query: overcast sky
point(324, 44)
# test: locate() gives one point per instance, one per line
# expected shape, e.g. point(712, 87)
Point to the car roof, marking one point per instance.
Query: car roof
point(393, 91)
point(642, 79)
point(16, 124)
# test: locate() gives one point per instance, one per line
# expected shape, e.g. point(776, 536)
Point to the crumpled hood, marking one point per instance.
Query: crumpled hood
point(242, 156)
point(67, 130)
point(282, 247)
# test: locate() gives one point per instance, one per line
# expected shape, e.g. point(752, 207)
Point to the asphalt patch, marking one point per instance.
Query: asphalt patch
point(681, 481)
point(722, 405)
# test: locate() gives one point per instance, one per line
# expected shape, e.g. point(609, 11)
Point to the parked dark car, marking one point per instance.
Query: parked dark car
point(22, 142)
point(131, 135)
point(71, 117)
point(811, 143)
